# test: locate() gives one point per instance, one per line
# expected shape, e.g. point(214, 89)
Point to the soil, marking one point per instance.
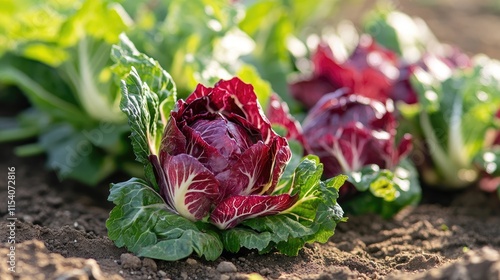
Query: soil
point(60, 228)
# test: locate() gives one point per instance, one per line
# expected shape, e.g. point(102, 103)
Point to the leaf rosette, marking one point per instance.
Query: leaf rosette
point(356, 135)
point(215, 172)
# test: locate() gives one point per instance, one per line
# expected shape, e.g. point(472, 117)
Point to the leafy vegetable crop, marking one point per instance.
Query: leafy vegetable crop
point(356, 135)
point(445, 99)
point(57, 53)
point(370, 71)
point(455, 115)
point(215, 172)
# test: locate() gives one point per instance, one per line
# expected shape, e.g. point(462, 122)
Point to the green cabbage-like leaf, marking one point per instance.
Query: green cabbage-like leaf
point(142, 223)
point(383, 191)
point(149, 94)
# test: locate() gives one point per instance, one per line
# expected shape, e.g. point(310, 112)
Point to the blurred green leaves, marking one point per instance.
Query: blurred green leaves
point(383, 191)
point(58, 54)
point(454, 118)
point(274, 25)
point(186, 37)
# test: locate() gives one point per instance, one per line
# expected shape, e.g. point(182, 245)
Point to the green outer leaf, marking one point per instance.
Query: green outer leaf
point(207, 244)
point(377, 25)
point(149, 95)
point(384, 192)
point(489, 161)
point(141, 222)
point(236, 238)
point(146, 131)
point(74, 156)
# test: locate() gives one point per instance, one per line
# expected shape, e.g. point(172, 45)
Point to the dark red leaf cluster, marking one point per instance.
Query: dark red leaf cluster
point(220, 156)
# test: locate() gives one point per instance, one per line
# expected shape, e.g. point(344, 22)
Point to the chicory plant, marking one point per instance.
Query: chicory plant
point(213, 167)
point(356, 135)
point(370, 70)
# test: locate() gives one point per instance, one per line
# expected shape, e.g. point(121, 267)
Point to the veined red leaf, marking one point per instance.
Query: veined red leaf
point(235, 209)
point(191, 188)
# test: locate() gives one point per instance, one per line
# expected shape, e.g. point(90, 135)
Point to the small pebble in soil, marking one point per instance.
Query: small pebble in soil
point(191, 261)
point(54, 200)
point(162, 273)
point(225, 277)
point(275, 275)
point(130, 261)
point(149, 264)
point(225, 267)
point(28, 219)
point(184, 275)
point(265, 271)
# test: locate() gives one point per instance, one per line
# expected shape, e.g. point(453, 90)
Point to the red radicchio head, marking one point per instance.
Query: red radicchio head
point(220, 157)
point(371, 71)
point(348, 132)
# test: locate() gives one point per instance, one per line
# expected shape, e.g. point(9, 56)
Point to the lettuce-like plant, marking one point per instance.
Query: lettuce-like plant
point(356, 135)
point(213, 169)
point(454, 117)
point(57, 53)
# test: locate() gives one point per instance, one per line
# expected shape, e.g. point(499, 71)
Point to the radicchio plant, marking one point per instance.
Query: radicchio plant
point(216, 172)
point(356, 135)
point(371, 71)
point(349, 131)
